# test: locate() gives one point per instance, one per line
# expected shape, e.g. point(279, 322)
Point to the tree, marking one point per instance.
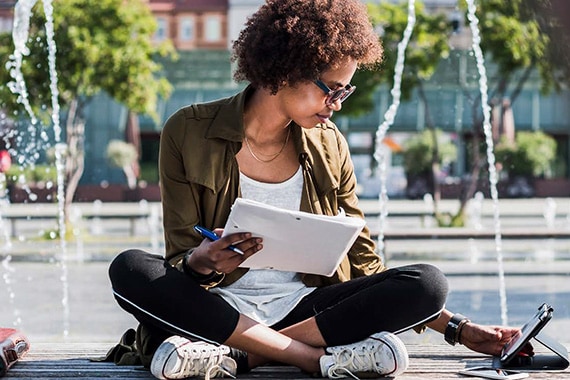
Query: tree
point(102, 45)
point(531, 155)
point(418, 157)
point(427, 46)
point(521, 38)
point(124, 155)
point(417, 151)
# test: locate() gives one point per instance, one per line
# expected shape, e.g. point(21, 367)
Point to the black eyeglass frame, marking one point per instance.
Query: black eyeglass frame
point(340, 94)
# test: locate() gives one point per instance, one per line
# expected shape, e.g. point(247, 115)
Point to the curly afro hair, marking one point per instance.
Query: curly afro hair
point(293, 41)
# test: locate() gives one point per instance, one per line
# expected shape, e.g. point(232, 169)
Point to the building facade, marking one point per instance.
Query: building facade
point(191, 24)
point(203, 31)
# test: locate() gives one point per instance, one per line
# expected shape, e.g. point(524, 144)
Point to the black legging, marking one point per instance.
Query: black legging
point(167, 300)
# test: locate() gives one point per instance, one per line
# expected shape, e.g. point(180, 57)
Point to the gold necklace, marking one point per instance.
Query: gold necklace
point(273, 156)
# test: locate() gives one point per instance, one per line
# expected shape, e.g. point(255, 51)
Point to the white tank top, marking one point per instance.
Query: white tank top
point(268, 295)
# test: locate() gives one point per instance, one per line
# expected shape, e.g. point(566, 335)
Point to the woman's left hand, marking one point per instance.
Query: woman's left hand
point(488, 339)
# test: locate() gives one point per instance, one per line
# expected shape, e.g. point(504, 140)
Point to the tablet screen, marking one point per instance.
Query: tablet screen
point(527, 332)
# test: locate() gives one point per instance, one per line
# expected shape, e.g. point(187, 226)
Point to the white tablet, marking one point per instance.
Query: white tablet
point(294, 240)
point(493, 373)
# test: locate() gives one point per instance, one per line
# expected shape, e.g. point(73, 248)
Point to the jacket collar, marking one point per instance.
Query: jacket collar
point(228, 122)
point(310, 144)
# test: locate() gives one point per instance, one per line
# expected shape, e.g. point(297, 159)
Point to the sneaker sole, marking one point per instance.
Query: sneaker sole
point(398, 349)
point(162, 356)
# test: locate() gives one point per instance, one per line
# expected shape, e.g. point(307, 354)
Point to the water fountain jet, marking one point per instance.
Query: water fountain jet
point(389, 119)
point(20, 34)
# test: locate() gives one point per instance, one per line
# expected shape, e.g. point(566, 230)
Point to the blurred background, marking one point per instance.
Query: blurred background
point(123, 66)
point(436, 144)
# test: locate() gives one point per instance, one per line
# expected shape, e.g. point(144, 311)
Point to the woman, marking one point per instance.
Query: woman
point(274, 142)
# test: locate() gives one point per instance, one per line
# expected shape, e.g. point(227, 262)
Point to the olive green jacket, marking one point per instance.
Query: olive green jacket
point(199, 178)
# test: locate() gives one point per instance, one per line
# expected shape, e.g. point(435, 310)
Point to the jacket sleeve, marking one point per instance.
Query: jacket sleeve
point(364, 260)
point(179, 206)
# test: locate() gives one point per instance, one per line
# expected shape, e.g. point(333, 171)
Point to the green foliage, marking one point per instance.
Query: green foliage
point(121, 153)
point(31, 174)
point(447, 219)
point(428, 43)
point(418, 151)
point(102, 45)
point(427, 46)
point(149, 172)
point(532, 154)
point(520, 34)
point(362, 100)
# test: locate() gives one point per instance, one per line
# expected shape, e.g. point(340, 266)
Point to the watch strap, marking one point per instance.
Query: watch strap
point(453, 329)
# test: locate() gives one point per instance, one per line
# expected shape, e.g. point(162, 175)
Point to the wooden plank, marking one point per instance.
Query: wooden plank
point(71, 360)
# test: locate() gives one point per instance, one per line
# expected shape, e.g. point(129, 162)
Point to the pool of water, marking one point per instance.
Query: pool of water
point(477, 297)
point(33, 301)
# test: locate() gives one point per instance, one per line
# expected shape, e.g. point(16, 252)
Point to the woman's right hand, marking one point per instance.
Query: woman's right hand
point(212, 256)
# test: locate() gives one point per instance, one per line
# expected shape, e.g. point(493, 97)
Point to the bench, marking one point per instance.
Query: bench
point(71, 360)
point(462, 233)
point(14, 216)
point(422, 215)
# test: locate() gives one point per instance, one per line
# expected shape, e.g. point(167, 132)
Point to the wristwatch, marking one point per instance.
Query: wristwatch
point(453, 329)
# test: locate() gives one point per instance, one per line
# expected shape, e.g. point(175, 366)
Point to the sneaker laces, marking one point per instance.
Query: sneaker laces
point(219, 370)
point(347, 359)
point(204, 361)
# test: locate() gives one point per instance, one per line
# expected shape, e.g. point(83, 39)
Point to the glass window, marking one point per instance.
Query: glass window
point(5, 25)
point(187, 29)
point(162, 30)
point(213, 28)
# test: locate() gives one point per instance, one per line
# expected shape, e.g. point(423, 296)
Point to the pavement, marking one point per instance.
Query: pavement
point(61, 292)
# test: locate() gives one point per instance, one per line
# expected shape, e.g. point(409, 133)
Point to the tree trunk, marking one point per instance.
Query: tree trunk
point(75, 157)
point(131, 176)
point(133, 136)
point(435, 167)
point(478, 162)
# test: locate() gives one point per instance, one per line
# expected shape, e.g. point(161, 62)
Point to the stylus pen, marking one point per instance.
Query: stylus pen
point(213, 237)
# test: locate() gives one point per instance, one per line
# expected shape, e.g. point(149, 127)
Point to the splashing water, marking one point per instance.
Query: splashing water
point(5, 241)
point(8, 270)
point(493, 178)
point(22, 15)
point(20, 35)
point(389, 117)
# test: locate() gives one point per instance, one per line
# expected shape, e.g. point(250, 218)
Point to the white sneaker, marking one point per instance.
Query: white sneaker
point(383, 354)
point(179, 358)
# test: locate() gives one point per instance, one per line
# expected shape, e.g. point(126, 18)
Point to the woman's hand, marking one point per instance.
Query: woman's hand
point(212, 256)
point(488, 339)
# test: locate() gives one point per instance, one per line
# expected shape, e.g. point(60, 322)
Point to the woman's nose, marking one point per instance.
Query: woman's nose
point(335, 106)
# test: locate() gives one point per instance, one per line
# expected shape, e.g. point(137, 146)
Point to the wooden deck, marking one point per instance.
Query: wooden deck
point(71, 360)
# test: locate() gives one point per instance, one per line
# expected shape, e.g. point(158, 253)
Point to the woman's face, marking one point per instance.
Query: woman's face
point(306, 103)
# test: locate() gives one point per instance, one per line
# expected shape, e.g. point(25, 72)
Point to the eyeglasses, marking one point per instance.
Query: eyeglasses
point(334, 95)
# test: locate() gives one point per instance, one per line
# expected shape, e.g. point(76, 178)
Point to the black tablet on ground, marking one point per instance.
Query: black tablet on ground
point(526, 333)
point(512, 358)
